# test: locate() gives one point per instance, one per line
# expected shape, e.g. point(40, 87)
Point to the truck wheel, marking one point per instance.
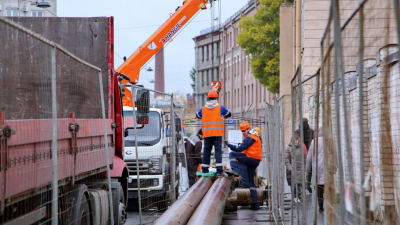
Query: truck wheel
point(119, 204)
point(163, 204)
point(85, 211)
point(80, 212)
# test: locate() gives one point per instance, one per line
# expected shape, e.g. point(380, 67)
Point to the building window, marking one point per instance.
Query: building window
point(217, 75)
point(239, 97)
point(229, 99)
point(202, 78)
point(252, 93)
point(244, 97)
point(218, 53)
point(202, 53)
point(234, 66)
point(227, 42)
point(237, 33)
point(230, 40)
point(212, 50)
point(208, 82)
point(13, 12)
point(37, 13)
point(248, 95)
point(234, 100)
point(207, 53)
point(237, 65)
point(212, 74)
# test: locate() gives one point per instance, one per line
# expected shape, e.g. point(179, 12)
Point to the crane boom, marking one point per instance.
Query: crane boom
point(131, 67)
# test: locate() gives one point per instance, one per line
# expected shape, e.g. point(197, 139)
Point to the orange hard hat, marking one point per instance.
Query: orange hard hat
point(212, 94)
point(258, 130)
point(244, 126)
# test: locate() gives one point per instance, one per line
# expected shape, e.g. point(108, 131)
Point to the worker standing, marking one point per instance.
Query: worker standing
point(246, 158)
point(193, 155)
point(212, 125)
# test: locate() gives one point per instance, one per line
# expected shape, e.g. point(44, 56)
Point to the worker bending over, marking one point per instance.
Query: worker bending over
point(245, 159)
point(193, 155)
point(212, 126)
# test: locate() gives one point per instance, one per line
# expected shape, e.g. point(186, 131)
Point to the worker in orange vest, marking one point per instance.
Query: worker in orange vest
point(246, 158)
point(212, 126)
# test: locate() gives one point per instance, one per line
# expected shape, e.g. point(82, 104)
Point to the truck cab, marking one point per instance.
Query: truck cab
point(153, 156)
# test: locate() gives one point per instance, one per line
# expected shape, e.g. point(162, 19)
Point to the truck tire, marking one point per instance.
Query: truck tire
point(119, 204)
point(80, 211)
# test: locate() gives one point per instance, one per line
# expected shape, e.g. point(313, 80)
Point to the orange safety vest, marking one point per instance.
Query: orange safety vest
point(255, 150)
point(211, 123)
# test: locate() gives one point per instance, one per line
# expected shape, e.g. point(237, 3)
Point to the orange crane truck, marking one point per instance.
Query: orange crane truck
point(153, 153)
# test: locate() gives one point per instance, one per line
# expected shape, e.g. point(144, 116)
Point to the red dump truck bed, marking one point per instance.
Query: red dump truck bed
point(26, 105)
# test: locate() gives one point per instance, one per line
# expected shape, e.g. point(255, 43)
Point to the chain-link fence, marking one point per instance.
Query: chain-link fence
point(56, 136)
point(349, 172)
point(278, 194)
point(154, 152)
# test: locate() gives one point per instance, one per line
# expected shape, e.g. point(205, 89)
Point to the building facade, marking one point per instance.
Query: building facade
point(27, 8)
point(241, 92)
point(302, 26)
point(207, 52)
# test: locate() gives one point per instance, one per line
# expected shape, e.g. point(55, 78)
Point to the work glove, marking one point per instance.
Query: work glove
point(226, 143)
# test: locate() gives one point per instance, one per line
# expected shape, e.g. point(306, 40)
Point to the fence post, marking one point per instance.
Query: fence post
point(360, 108)
point(173, 194)
point(137, 157)
point(54, 205)
point(303, 183)
point(292, 157)
point(282, 157)
point(103, 112)
point(337, 38)
point(315, 152)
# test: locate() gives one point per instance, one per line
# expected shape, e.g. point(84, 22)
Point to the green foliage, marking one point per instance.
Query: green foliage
point(192, 74)
point(259, 37)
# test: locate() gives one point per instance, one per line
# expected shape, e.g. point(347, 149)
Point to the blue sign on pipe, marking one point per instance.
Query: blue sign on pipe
point(231, 122)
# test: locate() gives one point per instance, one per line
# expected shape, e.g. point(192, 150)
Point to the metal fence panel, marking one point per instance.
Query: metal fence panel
point(59, 142)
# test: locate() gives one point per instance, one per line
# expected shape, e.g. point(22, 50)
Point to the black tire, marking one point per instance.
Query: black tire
point(80, 211)
point(162, 204)
point(118, 199)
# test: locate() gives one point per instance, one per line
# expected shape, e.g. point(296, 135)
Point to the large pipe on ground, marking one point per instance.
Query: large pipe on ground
point(211, 209)
point(242, 197)
point(181, 211)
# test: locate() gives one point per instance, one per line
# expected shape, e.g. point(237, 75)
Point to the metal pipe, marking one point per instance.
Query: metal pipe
point(181, 211)
point(211, 209)
point(242, 197)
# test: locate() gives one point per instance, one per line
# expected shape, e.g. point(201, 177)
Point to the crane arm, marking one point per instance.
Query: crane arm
point(131, 67)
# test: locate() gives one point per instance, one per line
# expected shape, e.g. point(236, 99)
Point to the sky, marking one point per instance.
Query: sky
point(136, 20)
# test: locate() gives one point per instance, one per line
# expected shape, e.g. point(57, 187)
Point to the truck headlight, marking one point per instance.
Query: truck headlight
point(156, 164)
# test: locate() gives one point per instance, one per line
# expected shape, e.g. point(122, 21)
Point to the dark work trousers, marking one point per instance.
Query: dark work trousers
point(320, 191)
point(192, 176)
point(298, 190)
point(208, 143)
point(246, 166)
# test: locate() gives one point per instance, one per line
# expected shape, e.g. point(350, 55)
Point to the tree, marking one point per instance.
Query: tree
point(259, 37)
point(192, 74)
